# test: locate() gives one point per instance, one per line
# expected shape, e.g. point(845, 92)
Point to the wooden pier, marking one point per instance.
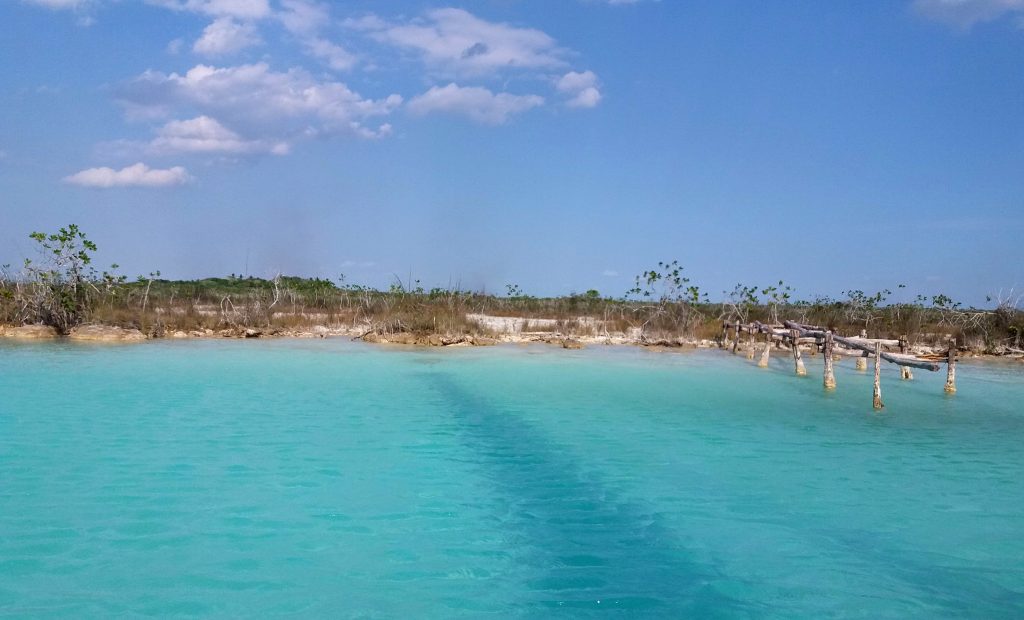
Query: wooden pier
point(833, 347)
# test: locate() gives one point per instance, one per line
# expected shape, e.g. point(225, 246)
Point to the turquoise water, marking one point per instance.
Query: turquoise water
point(331, 479)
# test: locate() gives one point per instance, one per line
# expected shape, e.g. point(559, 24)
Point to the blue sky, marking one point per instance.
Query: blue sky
point(561, 145)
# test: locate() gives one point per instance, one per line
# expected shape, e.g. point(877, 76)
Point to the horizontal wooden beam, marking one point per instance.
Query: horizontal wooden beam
point(871, 341)
point(858, 344)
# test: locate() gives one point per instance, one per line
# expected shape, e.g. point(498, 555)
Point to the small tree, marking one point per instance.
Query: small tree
point(668, 296)
point(61, 278)
point(741, 301)
point(777, 297)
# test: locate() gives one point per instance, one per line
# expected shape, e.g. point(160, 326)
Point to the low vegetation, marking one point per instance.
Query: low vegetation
point(62, 288)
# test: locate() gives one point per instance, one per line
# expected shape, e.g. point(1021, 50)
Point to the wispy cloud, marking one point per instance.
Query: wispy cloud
point(966, 13)
point(137, 175)
point(335, 56)
point(59, 4)
point(306, 19)
point(241, 9)
point(303, 16)
point(476, 102)
point(456, 42)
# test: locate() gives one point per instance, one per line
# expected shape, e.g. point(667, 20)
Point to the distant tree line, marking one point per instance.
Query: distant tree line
point(61, 287)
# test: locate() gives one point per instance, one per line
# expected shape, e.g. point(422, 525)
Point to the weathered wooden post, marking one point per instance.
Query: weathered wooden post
point(736, 341)
point(862, 362)
point(905, 373)
point(797, 360)
point(951, 368)
point(763, 362)
point(830, 375)
point(753, 342)
point(877, 401)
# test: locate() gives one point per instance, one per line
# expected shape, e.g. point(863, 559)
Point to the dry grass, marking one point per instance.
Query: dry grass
point(294, 304)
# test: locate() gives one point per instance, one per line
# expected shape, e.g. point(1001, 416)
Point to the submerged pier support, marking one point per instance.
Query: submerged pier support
point(905, 373)
point(830, 374)
point(798, 362)
point(833, 347)
point(766, 352)
point(951, 368)
point(877, 400)
point(862, 362)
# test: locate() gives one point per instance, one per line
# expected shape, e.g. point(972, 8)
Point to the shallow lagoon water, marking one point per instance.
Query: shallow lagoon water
point(327, 478)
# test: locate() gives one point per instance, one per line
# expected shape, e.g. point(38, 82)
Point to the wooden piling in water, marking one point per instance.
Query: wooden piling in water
point(797, 360)
point(833, 346)
point(736, 340)
point(862, 362)
point(877, 400)
point(830, 375)
point(766, 352)
point(951, 368)
point(905, 373)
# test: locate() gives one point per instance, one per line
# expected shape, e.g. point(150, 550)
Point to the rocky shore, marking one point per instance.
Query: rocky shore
point(496, 330)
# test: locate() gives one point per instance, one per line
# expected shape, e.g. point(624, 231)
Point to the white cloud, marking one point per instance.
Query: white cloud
point(241, 9)
point(226, 36)
point(966, 13)
point(581, 87)
point(456, 41)
point(255, 100)
point(586, 98)
point(575, 81)
point(138, 175)
point(205, 135)
point(478, 103)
